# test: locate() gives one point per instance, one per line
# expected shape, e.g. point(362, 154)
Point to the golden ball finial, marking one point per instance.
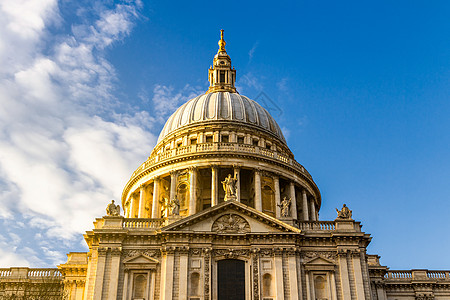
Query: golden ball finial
point(222, 42)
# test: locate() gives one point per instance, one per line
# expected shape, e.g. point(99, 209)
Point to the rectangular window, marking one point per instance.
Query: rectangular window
point(222, 76)
point(209, 139)
point(240, 139)
point(255, 142)
point(224, 138)
point(193, 141)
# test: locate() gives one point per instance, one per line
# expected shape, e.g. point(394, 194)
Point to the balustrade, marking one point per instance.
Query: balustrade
point(5, 273)
point(320, 225)
point(231, 147)
point(142, 223)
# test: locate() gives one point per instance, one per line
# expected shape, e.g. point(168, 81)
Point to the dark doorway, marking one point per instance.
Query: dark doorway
point(231, 279)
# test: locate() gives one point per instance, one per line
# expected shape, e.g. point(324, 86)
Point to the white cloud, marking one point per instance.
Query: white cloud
point(64, 149)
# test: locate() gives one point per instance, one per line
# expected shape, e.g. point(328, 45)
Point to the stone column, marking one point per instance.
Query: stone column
point(142, 196)
point(173, 184)
point(114, 273)
point(293, 200)
point(258, 200)
point(155, 204)
point(343, 271)
point(293, 280)
point(305, 206)
point(333, 286)
point(308, 286)
point(131, 207)
point(79, 289)
point(214, 185)
point(357, 272)
point(125, 286)
point(101, 260)
point(167, 275)
point(183, 292)
point(192, 190)
point(279, 281)
point(313, 210)
point(276, 184)
point(237, 174)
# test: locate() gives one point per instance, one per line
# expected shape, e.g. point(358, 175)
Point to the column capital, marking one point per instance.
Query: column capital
point(214, 166)
point(116, 251)
point(156, 179)
point(173, 172)
point(102, 251)
point(192, 168)
point(237, 166)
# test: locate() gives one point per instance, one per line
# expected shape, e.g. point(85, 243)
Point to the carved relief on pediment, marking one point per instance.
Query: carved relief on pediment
point(230, 223)
point(325, 254)
point(136, 252)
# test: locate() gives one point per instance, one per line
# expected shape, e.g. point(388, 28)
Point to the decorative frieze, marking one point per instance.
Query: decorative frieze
point(231, 253)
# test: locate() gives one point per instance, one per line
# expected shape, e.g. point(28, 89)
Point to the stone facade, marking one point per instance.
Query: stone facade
point(221, 210)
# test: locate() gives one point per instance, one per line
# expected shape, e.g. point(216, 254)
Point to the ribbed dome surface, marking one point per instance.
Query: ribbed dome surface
point(221, 106)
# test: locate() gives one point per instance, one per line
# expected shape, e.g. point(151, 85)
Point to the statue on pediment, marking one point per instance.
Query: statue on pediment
point(345, 213)
point(112, 209)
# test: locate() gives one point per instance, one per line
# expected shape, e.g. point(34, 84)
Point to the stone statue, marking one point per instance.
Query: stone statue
point(229, 186)
point(163, 204)
point(175, 205)
point(112, 209)
point(344, 213)
point(285, 205)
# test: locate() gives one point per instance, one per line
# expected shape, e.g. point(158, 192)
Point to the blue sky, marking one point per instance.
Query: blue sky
point(360, 89)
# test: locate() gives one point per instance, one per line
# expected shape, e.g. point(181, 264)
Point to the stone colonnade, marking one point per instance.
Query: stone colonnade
point(137, 200)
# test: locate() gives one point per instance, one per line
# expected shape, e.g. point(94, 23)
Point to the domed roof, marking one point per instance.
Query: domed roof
point(221, 106)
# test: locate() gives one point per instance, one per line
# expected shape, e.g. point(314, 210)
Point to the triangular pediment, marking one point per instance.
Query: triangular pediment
point(231, 217)
point(141, 259)
point(319, 261)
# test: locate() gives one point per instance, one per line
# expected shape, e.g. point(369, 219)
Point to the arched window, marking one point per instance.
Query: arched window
point(267, 285)
point(140, 281)
point(194, 284)
point(320, 288)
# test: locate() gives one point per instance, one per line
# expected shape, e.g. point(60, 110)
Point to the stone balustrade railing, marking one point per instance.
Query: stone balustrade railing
point(43, 273)
point(317, 225)
point(223, 147)
point(5, 273)
point(142, 223)
point(30, 273)
point(417, 274)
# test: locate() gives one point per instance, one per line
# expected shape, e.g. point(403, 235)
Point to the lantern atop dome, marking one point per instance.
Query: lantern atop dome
point(221, 75)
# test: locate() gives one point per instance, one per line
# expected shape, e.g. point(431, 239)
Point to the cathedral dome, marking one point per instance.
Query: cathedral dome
point(217, 147)
point(222, 106)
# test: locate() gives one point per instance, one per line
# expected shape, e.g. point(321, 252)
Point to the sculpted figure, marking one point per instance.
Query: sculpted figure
point(175, 205)
point(229, 186)
point(344, 213)
point(112, 209)
point(163, 204)
point(285, 205)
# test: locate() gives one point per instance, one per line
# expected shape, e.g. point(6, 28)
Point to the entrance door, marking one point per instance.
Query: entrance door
point(231, 279)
